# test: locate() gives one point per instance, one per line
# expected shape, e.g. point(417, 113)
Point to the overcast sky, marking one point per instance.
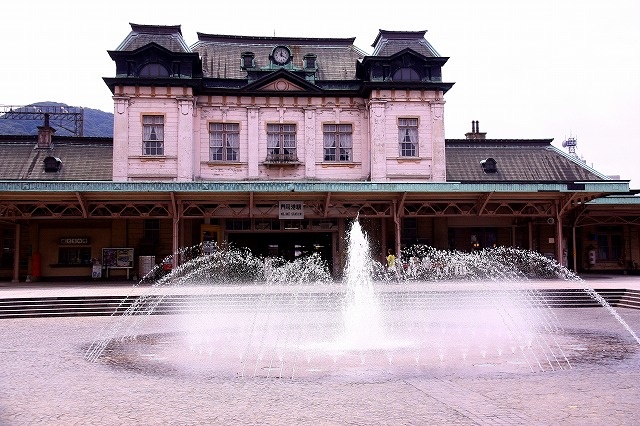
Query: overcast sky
point(524, 69)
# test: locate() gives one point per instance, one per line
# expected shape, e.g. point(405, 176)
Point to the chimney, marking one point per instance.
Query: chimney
point(45, 133)
point(475, 131)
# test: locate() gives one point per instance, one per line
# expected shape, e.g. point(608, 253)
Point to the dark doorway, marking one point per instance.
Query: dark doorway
point(288, 245)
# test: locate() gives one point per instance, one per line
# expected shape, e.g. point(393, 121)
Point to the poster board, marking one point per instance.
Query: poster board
point(114, 257)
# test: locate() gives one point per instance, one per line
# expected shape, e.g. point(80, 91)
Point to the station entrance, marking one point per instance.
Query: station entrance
point(287, 245)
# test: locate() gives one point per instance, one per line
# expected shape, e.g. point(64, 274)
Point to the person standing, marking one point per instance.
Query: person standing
point(391, 259)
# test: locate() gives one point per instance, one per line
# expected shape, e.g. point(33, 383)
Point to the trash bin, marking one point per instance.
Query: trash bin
point(145, 264)
point(167, 265)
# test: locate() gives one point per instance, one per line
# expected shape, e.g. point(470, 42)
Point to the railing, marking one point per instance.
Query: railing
point(282, 159)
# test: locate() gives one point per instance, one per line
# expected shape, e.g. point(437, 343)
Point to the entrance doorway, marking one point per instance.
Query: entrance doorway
point(210, 237)
point(288, 245)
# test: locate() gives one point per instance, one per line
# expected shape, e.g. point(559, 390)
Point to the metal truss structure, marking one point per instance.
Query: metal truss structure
point(251, 205)
point(65, 117)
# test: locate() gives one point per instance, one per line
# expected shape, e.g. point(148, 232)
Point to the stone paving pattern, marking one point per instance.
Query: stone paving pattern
point(44, 380)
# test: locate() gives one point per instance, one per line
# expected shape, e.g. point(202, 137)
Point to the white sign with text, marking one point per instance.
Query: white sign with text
point(291, 210)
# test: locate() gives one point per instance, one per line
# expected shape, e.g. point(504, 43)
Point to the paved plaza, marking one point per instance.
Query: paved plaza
point(44, 380)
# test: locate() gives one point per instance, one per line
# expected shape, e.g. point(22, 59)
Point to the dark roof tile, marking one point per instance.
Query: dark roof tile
point(336, 58)
point(169, 37)
point(516, 161)
point(389, 43)
point(83, 159)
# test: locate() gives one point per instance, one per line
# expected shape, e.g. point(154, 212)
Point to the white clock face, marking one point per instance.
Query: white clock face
point(280, 55)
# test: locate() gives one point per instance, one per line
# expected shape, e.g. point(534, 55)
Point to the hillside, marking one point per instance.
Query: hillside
point(96, 123)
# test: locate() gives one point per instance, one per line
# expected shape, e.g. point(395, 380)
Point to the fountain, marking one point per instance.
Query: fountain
point(237, 315)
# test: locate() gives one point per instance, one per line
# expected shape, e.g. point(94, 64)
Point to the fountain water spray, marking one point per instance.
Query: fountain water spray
point(266, 317)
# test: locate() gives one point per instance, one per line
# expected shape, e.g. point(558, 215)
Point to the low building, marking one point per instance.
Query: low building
point(276, 144)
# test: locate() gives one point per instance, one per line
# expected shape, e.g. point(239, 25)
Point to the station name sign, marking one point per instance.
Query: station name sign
point(291, 210)
point(74, 241)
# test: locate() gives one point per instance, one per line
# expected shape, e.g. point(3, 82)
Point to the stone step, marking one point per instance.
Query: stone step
point(288, 302)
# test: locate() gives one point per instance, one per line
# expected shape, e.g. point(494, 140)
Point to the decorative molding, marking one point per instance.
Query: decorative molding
point(281, 85)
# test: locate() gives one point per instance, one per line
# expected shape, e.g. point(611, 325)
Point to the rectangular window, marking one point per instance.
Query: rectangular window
point(338, 145)
point(238, 224)
point(408, 137)
point(610, 243)
point(8, 247)
point(281, 143)
point(151, 230)
point(153, 134)
point(224, 141)
point(409, 231)
point(74, 256)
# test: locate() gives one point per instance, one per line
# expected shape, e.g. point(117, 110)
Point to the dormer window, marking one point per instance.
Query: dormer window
point(489, 165)
point(310, 61)
point(154, 69)
point(406, 74)
point(52, 164)
point(248, 60)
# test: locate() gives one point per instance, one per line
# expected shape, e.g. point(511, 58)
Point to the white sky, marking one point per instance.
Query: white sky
point(524, 69)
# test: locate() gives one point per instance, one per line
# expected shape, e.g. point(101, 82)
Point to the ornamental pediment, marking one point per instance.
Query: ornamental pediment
point(280, 85)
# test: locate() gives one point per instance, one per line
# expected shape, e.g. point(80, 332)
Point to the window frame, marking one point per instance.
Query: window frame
point(342, 141)
point(225, 147)
point(157, 149)
point(151, 229)
point(82, 255)
point(403, 132)
point(285, 135)
point(405, 74)
point(610, 243)
point(8, 248)
point(154, 70)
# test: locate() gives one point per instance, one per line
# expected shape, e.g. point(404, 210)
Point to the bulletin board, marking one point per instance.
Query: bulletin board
point(113, 258)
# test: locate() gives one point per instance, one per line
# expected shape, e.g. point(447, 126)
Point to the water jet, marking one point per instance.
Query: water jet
point(246, 316)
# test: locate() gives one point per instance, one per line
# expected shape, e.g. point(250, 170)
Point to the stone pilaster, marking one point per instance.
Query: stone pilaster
point(120, 138)
point(377, 119)
point(253, 135)
point(439, 168)
point(310, 142)
point(185, 138)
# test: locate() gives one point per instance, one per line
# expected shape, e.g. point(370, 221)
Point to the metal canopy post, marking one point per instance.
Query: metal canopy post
point(16, 255)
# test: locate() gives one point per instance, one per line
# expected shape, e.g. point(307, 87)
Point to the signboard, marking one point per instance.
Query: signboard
point(74, 241)
point(291, 210)
point(117, 258)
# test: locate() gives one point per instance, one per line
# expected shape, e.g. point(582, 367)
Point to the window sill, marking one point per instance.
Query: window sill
point(153, 157)
point(407, 159)
point(348, 164)
point(224, 163)
point(408, 176)
point(281, 163)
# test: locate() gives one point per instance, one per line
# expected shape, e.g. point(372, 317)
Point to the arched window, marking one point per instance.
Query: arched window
point(154, 69)
point(405, 74)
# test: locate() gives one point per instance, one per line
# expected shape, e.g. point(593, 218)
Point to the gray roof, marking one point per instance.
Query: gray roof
point(90, 159)
point(167, 36)
point(336, 57)
point(221, 54)
point(388, 43)
point(82, 158)
point(516, 161)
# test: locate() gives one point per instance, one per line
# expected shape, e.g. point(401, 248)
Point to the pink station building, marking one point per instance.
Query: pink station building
point(276, 144)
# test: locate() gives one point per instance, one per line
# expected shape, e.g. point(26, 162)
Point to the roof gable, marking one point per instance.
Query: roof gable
point(281, 81)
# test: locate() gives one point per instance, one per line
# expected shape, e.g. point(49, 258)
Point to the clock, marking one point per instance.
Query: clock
point(281, 55)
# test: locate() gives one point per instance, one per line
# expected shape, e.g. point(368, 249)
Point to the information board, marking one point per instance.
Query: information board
point(117, 258)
